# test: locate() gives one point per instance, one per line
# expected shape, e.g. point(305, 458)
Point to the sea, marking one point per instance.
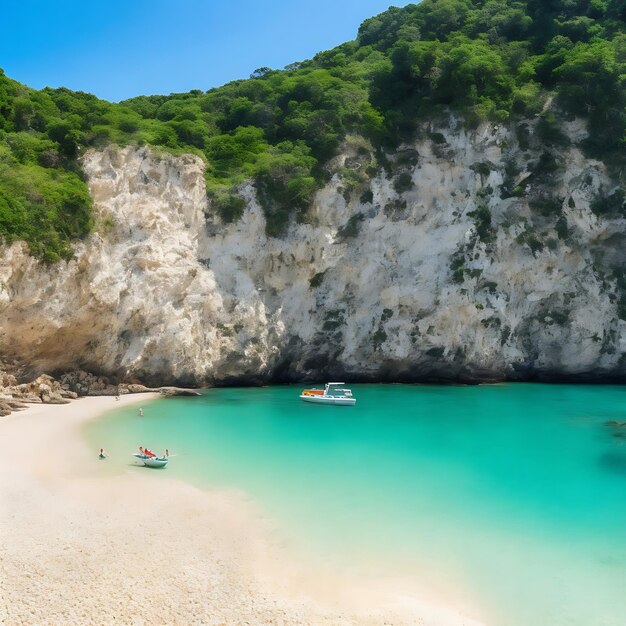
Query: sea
point(508, 497)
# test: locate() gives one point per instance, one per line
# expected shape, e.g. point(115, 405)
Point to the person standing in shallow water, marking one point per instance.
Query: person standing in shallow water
point(102, 454)
point(140, 412)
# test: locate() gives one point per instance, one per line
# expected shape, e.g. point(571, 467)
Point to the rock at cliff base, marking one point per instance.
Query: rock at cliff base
point(170, 392)
point(135, 388)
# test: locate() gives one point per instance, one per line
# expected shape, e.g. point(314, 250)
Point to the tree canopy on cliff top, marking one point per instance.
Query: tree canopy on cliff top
point(485, 59)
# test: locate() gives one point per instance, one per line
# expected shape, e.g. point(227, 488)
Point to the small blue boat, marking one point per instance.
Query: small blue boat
point(151, 461)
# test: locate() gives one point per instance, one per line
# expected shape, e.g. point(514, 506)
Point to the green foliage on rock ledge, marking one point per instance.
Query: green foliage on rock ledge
point(484, 59)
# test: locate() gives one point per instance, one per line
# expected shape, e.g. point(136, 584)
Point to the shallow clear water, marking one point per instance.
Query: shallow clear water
point(507, 497)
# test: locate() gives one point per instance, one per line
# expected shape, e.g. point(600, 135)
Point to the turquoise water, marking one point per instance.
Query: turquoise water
point(511, 498)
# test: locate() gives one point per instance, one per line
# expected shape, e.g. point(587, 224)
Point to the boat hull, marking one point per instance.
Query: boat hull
point(155, 462)
point(316, 399)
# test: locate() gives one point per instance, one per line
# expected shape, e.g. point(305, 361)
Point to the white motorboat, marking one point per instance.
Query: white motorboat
point(151, 461)
point(333, 393)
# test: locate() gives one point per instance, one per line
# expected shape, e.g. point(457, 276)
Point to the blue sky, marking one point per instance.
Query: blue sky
point(118, 49)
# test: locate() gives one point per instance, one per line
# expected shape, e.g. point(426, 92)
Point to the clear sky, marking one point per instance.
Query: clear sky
point(117, 49)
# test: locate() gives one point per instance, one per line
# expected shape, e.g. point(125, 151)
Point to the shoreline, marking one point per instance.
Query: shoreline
point(80, 546)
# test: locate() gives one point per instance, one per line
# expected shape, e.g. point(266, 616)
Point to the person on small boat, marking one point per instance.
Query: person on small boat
point(141, 450)
point(148, 452)
point(102, 454)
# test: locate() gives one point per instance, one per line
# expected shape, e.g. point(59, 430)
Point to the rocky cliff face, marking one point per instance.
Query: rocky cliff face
point(472, 255)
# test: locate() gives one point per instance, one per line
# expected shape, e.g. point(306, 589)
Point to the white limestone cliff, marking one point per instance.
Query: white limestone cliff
point(387, 285)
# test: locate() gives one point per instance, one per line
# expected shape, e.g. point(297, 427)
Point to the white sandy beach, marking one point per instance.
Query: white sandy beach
point(78, 546)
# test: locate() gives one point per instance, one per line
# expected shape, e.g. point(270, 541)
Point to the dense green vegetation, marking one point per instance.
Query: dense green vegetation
point(485, 59)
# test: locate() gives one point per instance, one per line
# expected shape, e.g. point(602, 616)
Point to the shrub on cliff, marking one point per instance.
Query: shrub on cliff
point(484, 59)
